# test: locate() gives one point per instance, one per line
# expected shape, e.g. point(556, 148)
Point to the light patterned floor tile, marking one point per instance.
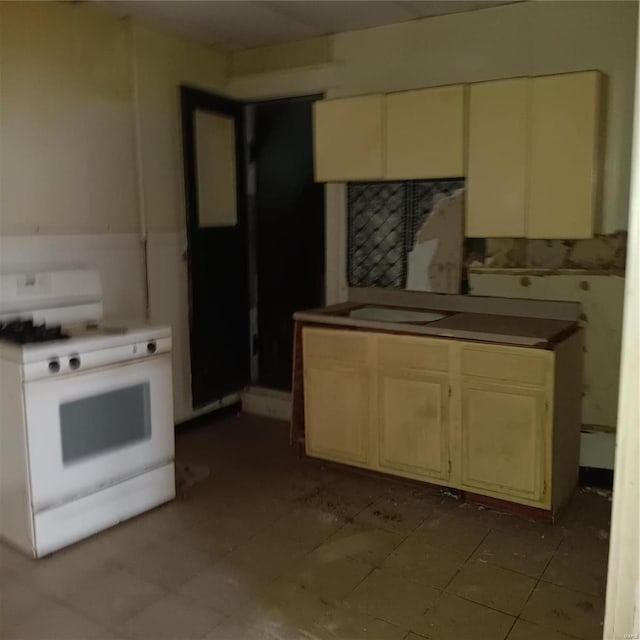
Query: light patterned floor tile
point(453, 618)
point(170, 618)
point(392, 598)
point(492, 586)
point(57, 622)
point(523, 630)
point(397, 513)
point(111, 595)
point(168, 564)
point(570, 612)
point(415, 559)
point(361, 542)
point(333, 580)
point(525, 553)
point(224, 587)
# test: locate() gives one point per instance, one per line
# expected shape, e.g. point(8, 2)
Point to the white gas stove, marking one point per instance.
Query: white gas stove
point(86, 415)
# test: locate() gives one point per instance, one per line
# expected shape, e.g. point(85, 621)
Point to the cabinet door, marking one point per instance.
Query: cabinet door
point(564, 159)
point(337, 411)
point(425, 133)
point(347, 139)
point(413, 423)
point(337, 394)
point(503, 435)
point(497, 159)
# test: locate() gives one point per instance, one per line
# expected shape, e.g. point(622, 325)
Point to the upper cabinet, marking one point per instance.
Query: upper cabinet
point(497, 161)
point(529, 148)
point(564, 155)
point(425, 133)
point(348, 135)
point(397, 136)
point(533, 157)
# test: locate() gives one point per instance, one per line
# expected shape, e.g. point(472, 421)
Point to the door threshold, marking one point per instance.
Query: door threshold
point(262, 401)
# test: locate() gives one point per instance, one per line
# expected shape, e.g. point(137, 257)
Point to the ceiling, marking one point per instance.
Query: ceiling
point(244, 24)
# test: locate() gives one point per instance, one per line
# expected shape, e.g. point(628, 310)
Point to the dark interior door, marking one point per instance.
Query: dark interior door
point(289, 221)
point(217, 238)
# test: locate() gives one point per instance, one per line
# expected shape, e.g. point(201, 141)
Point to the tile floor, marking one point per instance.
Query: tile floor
point(269, 546)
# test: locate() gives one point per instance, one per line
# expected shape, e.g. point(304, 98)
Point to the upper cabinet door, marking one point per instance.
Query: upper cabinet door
point(565, 136)
point(425, 133)
point(348, 139)
point(497, 159)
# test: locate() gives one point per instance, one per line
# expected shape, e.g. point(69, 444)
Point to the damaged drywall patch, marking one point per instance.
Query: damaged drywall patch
point(602, 253)
point(504, 253)
point(435, 263)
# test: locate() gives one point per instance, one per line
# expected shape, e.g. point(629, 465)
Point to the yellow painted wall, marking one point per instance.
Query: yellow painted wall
point(163, 63)
point(303, 53)
point(67, 161)
point(67, 129)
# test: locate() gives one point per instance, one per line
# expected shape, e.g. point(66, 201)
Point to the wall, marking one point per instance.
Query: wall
point(602, 299)
point(162, 64)
point(67, 163)
point(90, 156)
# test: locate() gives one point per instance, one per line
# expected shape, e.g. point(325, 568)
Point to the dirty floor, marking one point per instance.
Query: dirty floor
point(263, 545)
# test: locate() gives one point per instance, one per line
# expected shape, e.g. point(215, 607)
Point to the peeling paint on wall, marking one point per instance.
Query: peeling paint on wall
point(602, 253)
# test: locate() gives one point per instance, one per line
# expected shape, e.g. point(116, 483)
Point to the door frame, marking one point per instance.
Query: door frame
point(250, 197)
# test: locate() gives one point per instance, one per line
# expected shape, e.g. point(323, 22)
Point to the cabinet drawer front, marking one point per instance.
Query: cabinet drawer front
point(515, 365)
point(332, 344)
point(404, 352)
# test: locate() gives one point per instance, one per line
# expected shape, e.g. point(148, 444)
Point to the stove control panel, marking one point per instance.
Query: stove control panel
point(79, 363)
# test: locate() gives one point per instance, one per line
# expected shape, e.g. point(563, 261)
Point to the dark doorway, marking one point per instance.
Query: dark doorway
point(214, 163)
point(289, 230)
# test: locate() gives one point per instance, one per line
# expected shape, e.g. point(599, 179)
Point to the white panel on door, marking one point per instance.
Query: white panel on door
point(216, 169)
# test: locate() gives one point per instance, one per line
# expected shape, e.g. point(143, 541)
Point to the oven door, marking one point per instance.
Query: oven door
point(87, 431)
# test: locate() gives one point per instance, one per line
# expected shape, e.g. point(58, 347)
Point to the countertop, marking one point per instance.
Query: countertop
point(462, 325)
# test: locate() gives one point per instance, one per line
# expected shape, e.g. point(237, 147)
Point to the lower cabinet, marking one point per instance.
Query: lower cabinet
point(413, 423)
point(503, 431)
point(495, 420)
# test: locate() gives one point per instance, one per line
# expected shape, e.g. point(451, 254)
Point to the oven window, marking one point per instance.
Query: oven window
point(97, 424)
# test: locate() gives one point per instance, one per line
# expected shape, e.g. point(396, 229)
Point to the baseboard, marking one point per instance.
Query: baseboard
point(271, 403)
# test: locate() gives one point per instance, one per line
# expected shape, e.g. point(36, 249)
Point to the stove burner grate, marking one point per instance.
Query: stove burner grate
point(26, 332)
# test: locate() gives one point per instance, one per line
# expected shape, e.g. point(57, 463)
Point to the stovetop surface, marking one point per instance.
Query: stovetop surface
point(32, 341)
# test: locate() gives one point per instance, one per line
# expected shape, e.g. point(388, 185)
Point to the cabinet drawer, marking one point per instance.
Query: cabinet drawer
point(332, 344)
point(404, 352)
point(500, 363)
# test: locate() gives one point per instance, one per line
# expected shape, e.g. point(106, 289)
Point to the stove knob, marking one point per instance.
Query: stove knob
point(54, 366)
point(74, 362)
point(151, 347)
